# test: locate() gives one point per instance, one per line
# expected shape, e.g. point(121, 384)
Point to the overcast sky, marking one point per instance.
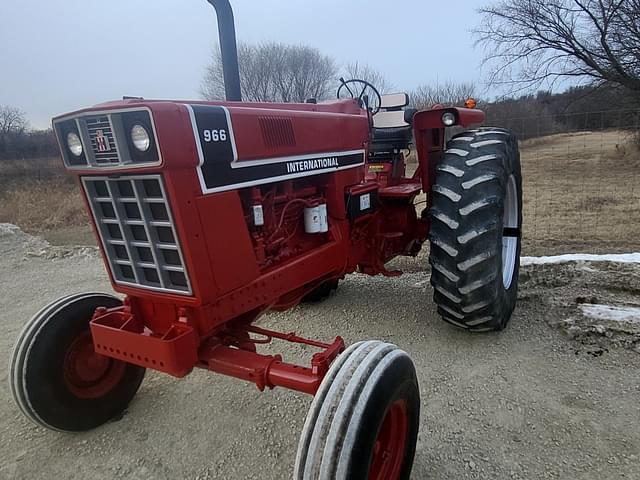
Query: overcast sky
point(59, 55)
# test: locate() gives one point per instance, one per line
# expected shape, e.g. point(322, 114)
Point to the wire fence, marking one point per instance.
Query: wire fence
point(535, 126)
point(580, 181)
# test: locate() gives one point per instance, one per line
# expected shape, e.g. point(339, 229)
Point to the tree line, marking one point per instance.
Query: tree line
point(278, 72)
point(580, 108)
point(18, 141)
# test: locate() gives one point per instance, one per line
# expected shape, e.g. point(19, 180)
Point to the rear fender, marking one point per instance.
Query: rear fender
point(429, 134)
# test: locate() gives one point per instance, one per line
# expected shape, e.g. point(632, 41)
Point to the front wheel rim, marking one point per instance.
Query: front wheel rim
point(87, 374)
point(389, 447)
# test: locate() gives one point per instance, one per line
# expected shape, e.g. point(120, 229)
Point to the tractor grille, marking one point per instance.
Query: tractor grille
point(137, 231)
point(103, 143)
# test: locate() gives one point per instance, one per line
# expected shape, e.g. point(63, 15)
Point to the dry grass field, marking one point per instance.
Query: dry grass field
point(38, 196)
point(581, 194)
point(43, 206)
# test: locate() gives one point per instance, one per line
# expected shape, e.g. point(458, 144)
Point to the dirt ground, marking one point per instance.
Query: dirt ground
point(553, 396)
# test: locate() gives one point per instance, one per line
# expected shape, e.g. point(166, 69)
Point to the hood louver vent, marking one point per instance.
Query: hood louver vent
point(277, 132)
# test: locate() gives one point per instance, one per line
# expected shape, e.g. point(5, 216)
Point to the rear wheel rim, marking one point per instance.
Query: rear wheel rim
point(389, 447)
point(87, 374)
point(510, 225)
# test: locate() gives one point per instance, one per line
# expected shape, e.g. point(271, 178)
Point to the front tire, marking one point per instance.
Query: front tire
point(363, 422)
point(57, 380)
point(476, 224)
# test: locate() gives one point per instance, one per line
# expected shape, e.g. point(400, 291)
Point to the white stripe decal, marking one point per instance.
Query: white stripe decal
point(294, 158)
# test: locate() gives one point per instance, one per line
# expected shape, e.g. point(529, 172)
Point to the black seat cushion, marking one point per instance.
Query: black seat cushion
point(391, 138)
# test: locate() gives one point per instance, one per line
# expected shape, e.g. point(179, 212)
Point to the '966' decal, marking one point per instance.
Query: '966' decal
point(215, 135)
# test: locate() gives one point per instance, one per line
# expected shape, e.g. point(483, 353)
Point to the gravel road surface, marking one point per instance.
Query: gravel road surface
point(553, 396)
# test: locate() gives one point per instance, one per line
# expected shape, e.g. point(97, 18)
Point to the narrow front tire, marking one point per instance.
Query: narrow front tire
point(57, 380)
point(363, 422)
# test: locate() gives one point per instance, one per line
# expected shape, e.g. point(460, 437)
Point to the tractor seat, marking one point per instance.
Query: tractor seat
point(392, 128)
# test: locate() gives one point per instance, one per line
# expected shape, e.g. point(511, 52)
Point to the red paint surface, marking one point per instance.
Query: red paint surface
point(238, 270)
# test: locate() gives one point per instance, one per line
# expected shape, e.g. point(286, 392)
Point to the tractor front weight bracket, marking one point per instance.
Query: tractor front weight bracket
point(117, 333)
point(221, 355)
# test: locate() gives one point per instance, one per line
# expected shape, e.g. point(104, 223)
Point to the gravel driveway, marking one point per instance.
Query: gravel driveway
point(528, 403)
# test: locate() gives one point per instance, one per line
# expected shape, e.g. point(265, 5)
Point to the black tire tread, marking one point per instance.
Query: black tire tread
point(325, 447)
point(45, 327)
point(321, 292)
point(466, 229)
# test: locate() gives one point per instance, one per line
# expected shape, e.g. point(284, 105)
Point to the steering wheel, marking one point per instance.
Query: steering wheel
point(366, 93)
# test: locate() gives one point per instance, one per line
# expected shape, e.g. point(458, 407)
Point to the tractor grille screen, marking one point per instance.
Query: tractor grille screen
point(137, 231)
point(103, 143)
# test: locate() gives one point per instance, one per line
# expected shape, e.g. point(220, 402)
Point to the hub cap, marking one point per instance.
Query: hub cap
point(87, 374)
point(389, 448)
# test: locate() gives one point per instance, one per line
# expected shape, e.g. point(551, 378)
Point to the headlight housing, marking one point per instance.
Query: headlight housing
point(140, 138)
point(449, 119)
point(74, 144)
point(107, 139)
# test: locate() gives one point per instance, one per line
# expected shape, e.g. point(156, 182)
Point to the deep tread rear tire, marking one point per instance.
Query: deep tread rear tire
point(467, 227)
point(36, 369)
point(346, 415)
point(322, 292)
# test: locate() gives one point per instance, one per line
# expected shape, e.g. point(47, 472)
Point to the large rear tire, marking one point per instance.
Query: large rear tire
point(57, 379)
point(476, 224)
point(322, 292)
point(363, 422)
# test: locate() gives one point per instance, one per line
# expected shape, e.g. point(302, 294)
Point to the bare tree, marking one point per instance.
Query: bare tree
point(274, 72)
point(448, 94)
point(12, 120)
point(369, 74)
point(531, 43)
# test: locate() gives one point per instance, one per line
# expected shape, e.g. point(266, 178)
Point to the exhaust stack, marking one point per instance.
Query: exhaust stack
point(229, 49)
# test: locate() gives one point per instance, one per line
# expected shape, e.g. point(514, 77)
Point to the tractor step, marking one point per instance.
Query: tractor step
point(401, 191)
point(118, 334)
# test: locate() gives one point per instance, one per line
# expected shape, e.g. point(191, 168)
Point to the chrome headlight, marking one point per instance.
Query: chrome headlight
point(140, 138)
point(74, 144)
point(449, 119)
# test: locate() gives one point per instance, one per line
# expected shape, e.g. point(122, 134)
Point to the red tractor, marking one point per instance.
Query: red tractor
point(209, 214)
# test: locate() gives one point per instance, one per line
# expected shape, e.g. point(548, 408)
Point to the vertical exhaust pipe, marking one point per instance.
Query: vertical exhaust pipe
point(229, 49)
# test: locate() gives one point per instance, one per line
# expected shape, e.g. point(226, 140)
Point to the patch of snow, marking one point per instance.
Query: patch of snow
point(8, 229)
point(611, 313)
point(36, 247)
point(49, 252)
point(583, 257)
